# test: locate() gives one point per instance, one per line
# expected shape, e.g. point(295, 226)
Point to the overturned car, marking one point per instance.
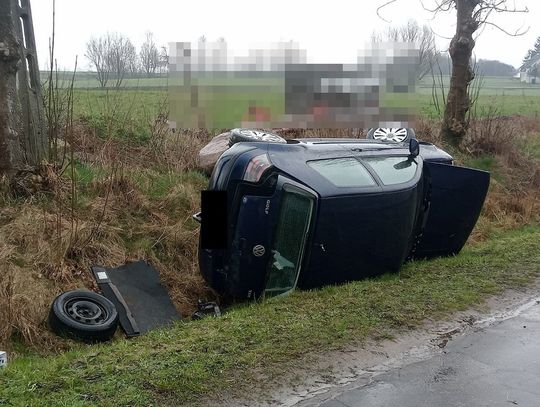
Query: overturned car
point(304, 213)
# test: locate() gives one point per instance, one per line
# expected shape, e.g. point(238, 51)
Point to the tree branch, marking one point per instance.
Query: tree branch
point(445, 5)
point(515, 34)
point(439, 35)
point(381, 7)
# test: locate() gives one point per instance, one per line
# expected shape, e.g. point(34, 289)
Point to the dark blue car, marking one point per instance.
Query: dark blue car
point(311, 212)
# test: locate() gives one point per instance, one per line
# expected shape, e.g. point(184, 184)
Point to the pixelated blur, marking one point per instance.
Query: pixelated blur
point(275, 87)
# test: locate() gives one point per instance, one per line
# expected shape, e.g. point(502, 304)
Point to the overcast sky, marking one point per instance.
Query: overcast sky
point(331, 31)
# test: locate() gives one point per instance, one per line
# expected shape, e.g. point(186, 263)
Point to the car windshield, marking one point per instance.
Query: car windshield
point(343, 172)
point(392, 170)
point(290, 238)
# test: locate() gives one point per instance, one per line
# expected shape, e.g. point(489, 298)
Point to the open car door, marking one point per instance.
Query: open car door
point(455, 195)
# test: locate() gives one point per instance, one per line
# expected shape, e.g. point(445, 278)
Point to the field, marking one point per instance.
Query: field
point(122, 186)
point(505, 96)
point(141, 98)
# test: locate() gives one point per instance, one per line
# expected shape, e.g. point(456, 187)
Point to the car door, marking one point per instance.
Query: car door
point(454, 201)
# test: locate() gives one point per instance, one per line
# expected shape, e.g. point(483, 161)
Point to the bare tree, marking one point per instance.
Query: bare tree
point(470, 16)
point(149, 55)
point(421, 37)
point(122, 58)
point(97, 52)
point(425, 40)
point(112, 56)
point(376, 36)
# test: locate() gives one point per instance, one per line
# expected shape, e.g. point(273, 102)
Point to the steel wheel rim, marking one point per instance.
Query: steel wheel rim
point(86, 311)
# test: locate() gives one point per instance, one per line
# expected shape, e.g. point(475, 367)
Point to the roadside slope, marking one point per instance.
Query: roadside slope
point(253, 341)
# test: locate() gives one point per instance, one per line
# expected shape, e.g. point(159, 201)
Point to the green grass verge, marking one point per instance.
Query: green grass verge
point(171, 366)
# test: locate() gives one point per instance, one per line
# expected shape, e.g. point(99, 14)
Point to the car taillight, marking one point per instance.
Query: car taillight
point(256, 167)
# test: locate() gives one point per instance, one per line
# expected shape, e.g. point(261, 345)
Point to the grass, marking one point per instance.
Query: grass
point(123, 114)
point(135, 201)
point(136, 108)
point(191, 360)
point(127, 204)
point(532, 147)
point(489, 163)
point(126, 112)
point(135, 188)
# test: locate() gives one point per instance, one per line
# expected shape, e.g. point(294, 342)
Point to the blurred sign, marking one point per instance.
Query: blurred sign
point(277, 87)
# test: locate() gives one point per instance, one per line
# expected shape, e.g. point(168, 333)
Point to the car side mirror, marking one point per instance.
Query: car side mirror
point(414, 147)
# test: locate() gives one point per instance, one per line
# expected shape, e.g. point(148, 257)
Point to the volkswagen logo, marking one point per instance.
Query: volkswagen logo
point(258, 250)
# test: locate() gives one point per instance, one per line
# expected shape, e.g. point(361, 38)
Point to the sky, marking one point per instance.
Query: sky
point(330, 31)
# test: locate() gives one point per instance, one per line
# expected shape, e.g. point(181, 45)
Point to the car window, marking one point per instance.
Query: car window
point(392, 170)
point(343, 172)
point(290, 238)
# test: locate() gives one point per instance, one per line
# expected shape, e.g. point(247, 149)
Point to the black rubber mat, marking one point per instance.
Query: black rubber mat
point(141, 290)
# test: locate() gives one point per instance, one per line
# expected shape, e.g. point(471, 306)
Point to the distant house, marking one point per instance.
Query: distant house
point(529, 72)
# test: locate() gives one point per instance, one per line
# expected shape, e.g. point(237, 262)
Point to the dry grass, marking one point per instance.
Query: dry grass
point(428, 130)
point(18, 293)
point(167, 150)
point(499, 144)
point(137, 205)
point(135, 202)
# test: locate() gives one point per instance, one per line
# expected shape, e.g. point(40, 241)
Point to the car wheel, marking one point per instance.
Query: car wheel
point(393, 135)
point(239, 135)
point(83, 315)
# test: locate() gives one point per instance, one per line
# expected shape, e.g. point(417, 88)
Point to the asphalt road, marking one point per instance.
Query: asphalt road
point(497, 364)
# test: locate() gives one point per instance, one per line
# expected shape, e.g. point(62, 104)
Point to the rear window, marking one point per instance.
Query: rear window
point(343, 172)
point(392, 170)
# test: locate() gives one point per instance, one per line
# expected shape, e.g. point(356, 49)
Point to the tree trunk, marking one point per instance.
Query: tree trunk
point(23, 136)
point(455, 122)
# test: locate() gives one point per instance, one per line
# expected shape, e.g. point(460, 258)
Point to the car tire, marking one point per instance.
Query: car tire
point(391, 135)
point(248, 135)
point(83, 315)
